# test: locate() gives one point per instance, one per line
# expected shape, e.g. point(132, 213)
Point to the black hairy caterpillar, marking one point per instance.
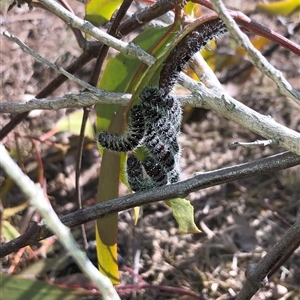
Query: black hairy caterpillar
point(161, 114)
point(173, 176)
point(161, 140)
point(152, 109)
point(155, 123)
point(163, 152)
point(166, 132)
point(135, 176)
point(185, 49)
point(132, 136)
point(155, 171)
point(162, 119)
point(157, 105)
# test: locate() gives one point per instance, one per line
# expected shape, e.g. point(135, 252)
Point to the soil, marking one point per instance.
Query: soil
point(240, 221)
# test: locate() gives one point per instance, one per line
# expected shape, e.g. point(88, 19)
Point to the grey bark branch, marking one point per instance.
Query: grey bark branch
point(76, 100)
point(215, 98)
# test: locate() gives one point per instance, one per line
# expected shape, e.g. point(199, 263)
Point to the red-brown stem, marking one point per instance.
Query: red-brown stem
point(247, 24)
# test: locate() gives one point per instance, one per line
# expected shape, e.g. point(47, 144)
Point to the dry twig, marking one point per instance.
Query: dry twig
point(37, 232)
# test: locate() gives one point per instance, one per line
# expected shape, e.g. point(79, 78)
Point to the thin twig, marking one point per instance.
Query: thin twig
point(77, 33)
point(257, 274)
point(67, 101)
point(171, 289)
point(45, 61)
point(38, 231)
point(146, 15)
point(76, 65)
point(256, 57)
point(86, 111)
point(255, 144)
point(87, 27)
point(217, 99)
point(37, 198)
point(104, 48)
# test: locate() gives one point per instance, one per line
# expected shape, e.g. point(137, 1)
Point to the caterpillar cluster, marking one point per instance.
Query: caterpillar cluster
point(155, 122)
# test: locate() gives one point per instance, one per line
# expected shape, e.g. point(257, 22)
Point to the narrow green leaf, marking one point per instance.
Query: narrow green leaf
point(107, 228)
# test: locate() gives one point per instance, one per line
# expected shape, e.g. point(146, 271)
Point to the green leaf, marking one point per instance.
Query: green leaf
point(280, 8)
point(16, 288)
point(72, 123)
point(107, 228)
point(100, 11)
point(183, 213)
point(122, 74)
